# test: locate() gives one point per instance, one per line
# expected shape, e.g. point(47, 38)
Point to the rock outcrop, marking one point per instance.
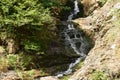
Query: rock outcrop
point(10, 75)
point(89, 5)
point(104, 27)
point(49, 78)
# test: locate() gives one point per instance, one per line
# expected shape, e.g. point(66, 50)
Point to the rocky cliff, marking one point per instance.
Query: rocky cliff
point(103, 26)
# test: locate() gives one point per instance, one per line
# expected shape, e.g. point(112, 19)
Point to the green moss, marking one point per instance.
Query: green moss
point(65, 77)
point(116, 22)
point(98, 75)
point(102, 2)
point(113, 31)
point(112, 34)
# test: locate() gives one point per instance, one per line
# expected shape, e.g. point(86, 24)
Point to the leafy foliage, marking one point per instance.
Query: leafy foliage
point(25, 20)
point(13, 60)
point(18, 13)
point(56, 6)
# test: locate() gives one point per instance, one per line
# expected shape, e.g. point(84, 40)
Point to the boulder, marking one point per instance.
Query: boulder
point(89, 5)
point(48, 78)
point(10, 75)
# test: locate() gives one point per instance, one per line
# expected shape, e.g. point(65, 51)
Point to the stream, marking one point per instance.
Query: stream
point(75, 40)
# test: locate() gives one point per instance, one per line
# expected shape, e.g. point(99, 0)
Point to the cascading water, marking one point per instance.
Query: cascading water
point(76, 9)
point(73, 37)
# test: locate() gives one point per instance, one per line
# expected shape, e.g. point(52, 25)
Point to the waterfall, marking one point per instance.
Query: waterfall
point(76, 8)
point(73, 39)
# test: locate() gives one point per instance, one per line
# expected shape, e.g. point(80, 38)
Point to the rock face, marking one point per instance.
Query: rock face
point(10, 75)
point(89, 5)
point(104, 27)
point(49, 78)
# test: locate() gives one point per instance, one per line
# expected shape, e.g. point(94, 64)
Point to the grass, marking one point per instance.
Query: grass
point(98, 75)
point(3, 64)
point(103, 2)
point(65, 77)
point(13, 60)
point(30, 74)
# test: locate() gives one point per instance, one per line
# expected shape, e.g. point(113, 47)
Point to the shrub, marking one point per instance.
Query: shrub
point(13, 60)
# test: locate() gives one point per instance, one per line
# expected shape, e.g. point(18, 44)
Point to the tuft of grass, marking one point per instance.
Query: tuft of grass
point(25, 76)
point(3, 64)
point(65, 77)
point(102, 2)
point(42, 72)
point(98, 75)
point(13, 61)
point(25, 59)
point(30, 74)
point(18, 61)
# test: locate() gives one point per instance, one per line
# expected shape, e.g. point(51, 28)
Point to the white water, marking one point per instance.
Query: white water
point(79, 51)
point(70, 26)
point(76, 8)
point(70, 17)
